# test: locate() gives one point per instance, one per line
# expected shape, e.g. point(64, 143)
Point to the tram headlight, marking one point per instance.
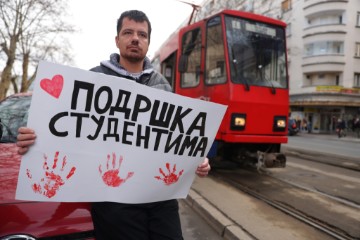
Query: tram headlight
point(238, 121)
point(279, 124)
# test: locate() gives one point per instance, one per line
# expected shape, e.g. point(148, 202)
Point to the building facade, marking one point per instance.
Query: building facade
point(323, 44)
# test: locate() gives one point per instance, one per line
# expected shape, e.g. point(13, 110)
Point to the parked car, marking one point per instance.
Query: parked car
point(32, 220)
point(292, 127)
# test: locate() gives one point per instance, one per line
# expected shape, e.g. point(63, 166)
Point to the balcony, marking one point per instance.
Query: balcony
point(314, 6)
point(323, 63)
point(324, 29)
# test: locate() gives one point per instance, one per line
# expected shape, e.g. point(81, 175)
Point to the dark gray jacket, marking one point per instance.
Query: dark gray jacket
point(148, 76)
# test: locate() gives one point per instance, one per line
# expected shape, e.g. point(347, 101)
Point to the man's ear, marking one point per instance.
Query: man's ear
point(117, 41)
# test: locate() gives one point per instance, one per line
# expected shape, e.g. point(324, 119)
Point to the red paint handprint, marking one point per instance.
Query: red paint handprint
point(51, 182)
point(111, 176)
point(171, 177)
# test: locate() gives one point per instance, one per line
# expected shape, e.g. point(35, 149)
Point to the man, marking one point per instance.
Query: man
point(149, 221)
point(340, 128)
point(357, 126)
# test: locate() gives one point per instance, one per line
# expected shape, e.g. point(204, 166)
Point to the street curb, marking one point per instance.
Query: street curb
point(224, 226)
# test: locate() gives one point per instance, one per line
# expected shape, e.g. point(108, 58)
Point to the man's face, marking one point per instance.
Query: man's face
point(132, 40)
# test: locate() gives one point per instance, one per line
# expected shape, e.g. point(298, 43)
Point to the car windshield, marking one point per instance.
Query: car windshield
point(257, 53)
point(13, 114)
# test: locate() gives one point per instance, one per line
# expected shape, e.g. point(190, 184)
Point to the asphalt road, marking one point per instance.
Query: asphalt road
point(326, 144)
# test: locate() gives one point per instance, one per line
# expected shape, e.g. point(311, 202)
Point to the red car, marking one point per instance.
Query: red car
point(30, 220)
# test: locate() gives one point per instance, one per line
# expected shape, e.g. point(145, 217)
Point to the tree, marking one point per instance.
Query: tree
point(31, 30)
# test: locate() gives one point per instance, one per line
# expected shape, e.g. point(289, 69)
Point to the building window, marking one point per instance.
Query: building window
point(357, 49)
point(288, 29)
point(332, 18)
point(358, 19)
point(337, 80)
point(286, 5)
point(357, 80)
point(324, 48)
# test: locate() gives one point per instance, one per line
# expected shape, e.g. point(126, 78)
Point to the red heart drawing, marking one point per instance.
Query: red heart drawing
point(53, 86)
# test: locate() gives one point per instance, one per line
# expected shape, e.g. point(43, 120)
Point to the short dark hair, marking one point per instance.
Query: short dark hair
point(137, 16)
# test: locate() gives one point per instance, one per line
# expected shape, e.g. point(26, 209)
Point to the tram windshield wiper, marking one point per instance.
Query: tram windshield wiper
point(235, 50)
point(263, 77)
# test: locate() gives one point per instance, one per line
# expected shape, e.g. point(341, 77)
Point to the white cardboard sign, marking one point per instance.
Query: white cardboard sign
point(104, 138)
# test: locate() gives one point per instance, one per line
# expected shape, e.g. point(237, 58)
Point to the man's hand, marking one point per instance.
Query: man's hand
point(25, 138)
point(204, 168)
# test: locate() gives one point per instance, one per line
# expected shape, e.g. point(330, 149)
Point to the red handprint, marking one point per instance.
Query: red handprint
point(111, 177)
point(171, 177)
point(51, 182)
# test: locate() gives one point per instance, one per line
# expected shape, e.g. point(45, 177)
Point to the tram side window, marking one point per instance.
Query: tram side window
point(168, 69)
point(191, 49)
point(215, 66)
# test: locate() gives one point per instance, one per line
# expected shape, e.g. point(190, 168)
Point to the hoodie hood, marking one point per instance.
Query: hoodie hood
point(114, 65)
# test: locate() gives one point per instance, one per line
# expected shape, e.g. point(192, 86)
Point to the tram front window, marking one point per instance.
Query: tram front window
point(256, 53)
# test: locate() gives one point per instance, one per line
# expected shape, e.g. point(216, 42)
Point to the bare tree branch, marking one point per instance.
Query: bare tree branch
point(31, 30)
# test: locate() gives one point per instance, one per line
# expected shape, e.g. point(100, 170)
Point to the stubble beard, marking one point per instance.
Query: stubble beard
point(133, 57)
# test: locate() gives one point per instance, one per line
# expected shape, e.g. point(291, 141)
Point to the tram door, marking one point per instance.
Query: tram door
point(191, 65)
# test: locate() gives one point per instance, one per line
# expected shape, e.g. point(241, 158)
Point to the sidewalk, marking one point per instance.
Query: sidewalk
point(207, 206)
point(350, 137)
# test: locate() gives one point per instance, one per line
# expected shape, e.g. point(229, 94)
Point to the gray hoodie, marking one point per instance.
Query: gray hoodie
point(148, 76)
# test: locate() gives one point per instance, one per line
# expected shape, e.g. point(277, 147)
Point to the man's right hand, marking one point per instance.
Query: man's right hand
point(25, 138)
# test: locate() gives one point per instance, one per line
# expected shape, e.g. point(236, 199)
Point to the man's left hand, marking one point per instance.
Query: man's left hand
point(204, 168)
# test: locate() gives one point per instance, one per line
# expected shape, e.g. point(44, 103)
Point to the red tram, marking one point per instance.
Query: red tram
point(237, 59)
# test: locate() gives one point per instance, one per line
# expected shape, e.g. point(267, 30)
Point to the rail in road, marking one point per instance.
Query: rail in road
point(316, 146)
point(293, 199)
point(331, 144)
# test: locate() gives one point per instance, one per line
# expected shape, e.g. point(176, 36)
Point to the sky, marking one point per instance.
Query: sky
point(96, 22)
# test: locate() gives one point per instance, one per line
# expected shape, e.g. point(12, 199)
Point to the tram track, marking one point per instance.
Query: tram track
point(345, 162)
point(342, 200)
point(309, 219)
